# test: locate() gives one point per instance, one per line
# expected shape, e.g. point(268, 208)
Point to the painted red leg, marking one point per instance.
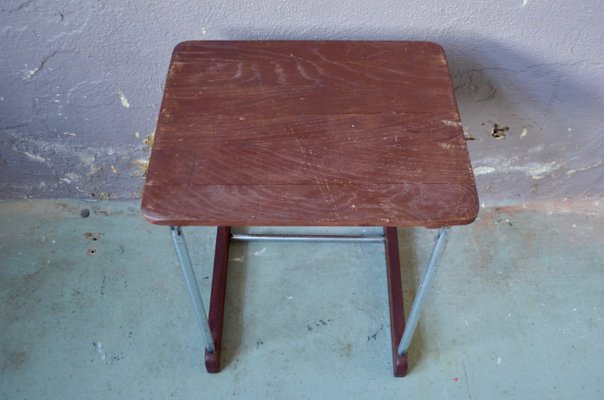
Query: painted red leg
point(218, 294)
point(395, 295)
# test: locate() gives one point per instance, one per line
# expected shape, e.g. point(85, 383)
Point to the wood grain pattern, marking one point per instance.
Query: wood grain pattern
point(309, 133)
point(301, 100)
point(321, 205)
point(299, 64)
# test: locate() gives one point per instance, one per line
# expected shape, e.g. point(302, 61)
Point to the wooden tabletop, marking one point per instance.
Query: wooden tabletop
point(325, 133)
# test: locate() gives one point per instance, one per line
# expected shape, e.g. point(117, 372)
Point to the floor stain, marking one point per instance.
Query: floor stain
point(346, 350)
point(92, 236)
point(16, 360)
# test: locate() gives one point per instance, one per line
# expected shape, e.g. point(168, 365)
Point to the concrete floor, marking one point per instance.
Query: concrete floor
point(96, 308)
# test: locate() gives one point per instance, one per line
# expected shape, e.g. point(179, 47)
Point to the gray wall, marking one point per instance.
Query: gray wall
point(81, 83)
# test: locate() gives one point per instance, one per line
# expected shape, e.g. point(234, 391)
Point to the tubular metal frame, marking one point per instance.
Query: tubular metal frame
point(305, 238)
point(395, 292)
point(184, 259)
point(440, 243)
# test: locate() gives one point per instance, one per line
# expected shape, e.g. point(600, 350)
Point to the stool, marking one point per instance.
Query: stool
point(309, 133)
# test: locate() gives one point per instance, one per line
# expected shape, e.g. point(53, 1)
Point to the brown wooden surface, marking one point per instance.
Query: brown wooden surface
point(395, 297)
point(309, 133)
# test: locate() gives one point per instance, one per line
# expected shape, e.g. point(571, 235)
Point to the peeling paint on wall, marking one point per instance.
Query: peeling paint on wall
point(534, 170)
point(587, 168)
point(78, 93)
point(34, 157)
point(77, 169)
point(124, 100)
point(482, 170)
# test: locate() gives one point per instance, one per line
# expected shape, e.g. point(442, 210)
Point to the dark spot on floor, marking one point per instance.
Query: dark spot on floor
point(374, 336)
point(91, 251)
point(100, 195)
point(506, 220)
point(319, 323)
point(92, 236)
point(103, 285)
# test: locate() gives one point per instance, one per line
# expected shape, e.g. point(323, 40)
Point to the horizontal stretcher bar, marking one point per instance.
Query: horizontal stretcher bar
point(306, 238)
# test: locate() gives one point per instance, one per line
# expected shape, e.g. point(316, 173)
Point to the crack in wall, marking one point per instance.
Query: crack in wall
point(20, 6)
point(598, 164)
point(533, 66)
point(31, 73)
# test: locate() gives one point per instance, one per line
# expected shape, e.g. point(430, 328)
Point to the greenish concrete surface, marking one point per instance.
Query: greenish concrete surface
point(96, 308)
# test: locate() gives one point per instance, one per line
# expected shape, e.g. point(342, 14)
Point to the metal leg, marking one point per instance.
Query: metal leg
point(182, 252)
point(439, 247)
point(212, 330)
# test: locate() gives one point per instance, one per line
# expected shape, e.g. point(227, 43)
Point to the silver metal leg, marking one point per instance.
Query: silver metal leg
point(440, 242)
point(182, 252)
